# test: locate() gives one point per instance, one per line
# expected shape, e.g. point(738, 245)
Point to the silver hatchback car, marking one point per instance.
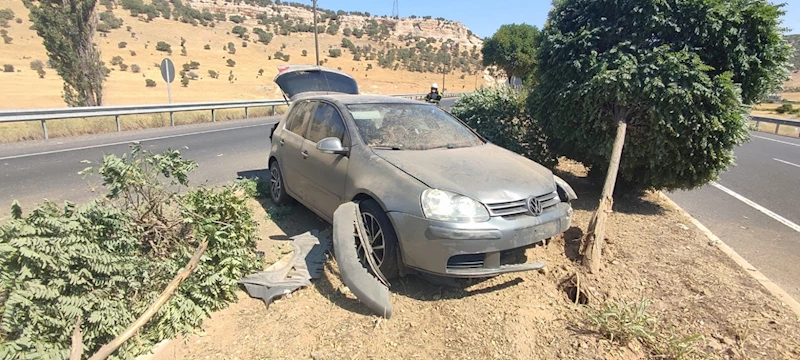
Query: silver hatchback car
point(435, 196)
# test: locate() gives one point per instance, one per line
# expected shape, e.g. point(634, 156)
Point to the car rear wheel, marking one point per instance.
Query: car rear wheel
point(277, 188)
point(382, 238)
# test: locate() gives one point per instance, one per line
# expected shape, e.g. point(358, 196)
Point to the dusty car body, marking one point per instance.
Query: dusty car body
point(435, 196)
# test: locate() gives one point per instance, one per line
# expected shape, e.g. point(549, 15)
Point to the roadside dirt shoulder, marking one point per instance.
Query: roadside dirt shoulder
point(653, 254)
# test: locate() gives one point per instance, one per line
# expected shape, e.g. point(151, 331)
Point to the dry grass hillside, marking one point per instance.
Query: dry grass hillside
point(206, 45)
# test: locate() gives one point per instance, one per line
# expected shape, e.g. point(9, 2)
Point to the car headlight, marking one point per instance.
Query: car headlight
point(565, 192)
point(447, 206)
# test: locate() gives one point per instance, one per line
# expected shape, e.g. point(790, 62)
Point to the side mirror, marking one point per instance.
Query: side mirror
point(331, 145)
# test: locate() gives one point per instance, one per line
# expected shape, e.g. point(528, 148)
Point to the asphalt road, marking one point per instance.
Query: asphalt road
point(48, 169)
point(765, 181)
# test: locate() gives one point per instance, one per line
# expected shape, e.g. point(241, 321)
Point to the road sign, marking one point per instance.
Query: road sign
point(168, 74)
point(167, 70)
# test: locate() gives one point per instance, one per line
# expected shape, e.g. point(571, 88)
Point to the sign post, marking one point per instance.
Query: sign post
point(168, 74)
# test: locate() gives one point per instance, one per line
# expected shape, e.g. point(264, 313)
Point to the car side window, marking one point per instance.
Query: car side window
point(299, 119)
point(326, 123)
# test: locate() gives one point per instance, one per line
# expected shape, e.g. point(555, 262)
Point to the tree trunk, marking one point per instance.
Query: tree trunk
point(592, 243)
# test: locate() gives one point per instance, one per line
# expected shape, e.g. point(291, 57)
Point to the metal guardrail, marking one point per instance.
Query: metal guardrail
point(778, 122)
point(43, 115)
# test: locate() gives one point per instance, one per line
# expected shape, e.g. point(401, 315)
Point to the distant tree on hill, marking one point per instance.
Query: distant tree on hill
point(122, 45)
point(347, 32)
point(239, 30)
point(304, 53)
point(6, 39)
point(334, 53)
point(164, 47)
point(236, 19)
point(231, 48)
point(67, 33)
point(231, 63)
point(150, 83)
point(135, 69)
point(8, 68)
point(513, 49)
point(206, 47)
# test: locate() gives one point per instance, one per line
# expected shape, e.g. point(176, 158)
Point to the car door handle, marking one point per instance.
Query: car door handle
point(282, 142)
point(305, 154)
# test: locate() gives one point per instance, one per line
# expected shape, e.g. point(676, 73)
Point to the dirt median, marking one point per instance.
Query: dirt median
point(653, 254)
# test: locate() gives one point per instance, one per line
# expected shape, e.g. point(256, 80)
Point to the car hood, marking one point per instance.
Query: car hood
point(487, 173)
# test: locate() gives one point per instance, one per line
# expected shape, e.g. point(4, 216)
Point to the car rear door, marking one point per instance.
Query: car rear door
point(290, 142)
point(325, 173)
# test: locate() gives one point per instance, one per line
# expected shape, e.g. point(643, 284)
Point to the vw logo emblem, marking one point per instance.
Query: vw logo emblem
point(534, 206)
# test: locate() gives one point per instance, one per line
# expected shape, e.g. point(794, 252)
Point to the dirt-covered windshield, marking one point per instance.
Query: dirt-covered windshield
point(410, 127)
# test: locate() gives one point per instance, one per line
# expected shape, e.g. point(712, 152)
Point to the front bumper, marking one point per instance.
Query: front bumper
point(474, 249)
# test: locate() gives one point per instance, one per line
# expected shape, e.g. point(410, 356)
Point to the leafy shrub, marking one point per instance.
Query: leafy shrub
point(304, 53)
point(106, 261)
point(334, 53)
point(206, 47)
point(8, 68)
point(213, 74)
point(231, 63)
point(163, 47)
point(116, 60)
point(135, 69)
point(784, 109)
point(150, 83)
point(239, 30)
point(236, 19)
point(499, 115)
point(231, 48)
point(133, 53)
point(122, 45)
point(123, 67)
point(244, 44)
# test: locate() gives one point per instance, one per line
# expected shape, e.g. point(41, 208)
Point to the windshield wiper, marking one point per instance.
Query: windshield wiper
point(386, 147)
point(448, 146)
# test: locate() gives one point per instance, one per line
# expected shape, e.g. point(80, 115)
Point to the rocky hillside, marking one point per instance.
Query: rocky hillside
point(231, 50)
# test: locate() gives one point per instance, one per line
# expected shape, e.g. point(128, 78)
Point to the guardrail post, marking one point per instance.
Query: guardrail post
point(116, 119)
point(213, 115)
point(44, 129)
point(171, 118)
point(758, 125)
point(273, 110)
point(777, 127)
point(246, 114)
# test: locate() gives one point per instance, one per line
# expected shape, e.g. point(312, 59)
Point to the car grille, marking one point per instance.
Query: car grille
point(513, 209)
point(466, 261)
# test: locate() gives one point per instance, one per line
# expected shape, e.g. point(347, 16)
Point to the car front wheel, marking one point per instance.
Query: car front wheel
point(382, 238)
point(277, 188)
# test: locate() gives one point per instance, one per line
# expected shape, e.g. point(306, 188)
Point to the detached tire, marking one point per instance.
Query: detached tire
point(384, 245)
point(277, 187)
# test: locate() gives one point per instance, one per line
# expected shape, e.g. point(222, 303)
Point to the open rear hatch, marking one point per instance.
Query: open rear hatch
point(304, 79)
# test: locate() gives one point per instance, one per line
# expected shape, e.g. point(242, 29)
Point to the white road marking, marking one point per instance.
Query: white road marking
point(786, 162)
point(777, 141)
point(129, 141)
point(760, 208)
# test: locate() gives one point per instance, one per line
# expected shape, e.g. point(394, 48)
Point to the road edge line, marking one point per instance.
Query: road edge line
point(776, 291)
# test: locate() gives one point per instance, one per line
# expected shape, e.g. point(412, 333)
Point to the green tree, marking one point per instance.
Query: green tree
point(231, 48)
point(304, 53)
point(231, 63)
point(682, 109)
point(513, 49)
point(150, 83)
point(334, 53)
point(236, 19)
point(67, 31)
point(239, 30)
point(164, 47)
point(660, 82)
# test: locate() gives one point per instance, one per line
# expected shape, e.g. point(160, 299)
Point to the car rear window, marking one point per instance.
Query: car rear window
point(299, 118)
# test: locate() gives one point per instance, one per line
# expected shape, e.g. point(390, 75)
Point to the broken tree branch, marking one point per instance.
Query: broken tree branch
point(112, 346)
point(77, 341)
point(593, 240)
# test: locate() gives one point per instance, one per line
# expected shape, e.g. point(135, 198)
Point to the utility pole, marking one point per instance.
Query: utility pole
point(444, 72)
point(316, 41)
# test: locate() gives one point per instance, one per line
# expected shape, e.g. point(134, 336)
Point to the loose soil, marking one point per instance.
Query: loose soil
point(652, 253)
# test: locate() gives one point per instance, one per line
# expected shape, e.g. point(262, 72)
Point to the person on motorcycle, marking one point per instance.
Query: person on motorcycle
point(434, 96)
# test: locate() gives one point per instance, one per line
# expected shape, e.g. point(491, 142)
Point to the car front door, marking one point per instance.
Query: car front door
point(325, 173)
point(291, 141)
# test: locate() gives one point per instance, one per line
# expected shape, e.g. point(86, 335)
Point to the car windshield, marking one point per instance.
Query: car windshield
point(410, 127)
